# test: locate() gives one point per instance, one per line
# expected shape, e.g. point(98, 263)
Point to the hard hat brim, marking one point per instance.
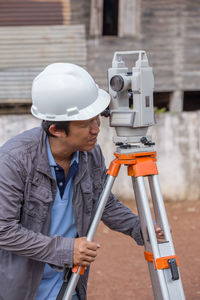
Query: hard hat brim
point(87, 113)
point(96, 107)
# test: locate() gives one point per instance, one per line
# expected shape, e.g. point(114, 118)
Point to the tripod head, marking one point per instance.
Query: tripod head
point(131, 108)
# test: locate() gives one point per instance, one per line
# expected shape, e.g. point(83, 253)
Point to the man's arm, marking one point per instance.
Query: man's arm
point(120, 218)
point(18, 239)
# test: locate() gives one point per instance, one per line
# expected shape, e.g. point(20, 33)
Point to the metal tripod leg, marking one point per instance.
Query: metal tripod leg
point(166, 282)
point(91, 232)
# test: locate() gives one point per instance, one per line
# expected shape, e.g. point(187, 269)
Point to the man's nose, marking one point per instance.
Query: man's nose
point(95, 127)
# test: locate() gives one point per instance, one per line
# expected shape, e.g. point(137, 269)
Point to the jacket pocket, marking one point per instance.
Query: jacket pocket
point(86, 190)
point(38, 203)
point(91, 189)
point(36, 206)
point(97, 185)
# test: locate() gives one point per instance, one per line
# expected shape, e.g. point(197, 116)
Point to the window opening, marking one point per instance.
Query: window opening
point(191, 101)
point(110, 17)
point(161, 101)
point(15, 108)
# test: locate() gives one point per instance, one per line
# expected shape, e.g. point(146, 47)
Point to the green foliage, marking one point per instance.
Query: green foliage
point(160, 110)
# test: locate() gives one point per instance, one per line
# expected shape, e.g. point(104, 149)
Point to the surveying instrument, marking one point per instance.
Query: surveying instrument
point(131, 112)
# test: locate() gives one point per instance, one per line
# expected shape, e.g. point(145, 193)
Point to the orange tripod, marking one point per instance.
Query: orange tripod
point(162, 260)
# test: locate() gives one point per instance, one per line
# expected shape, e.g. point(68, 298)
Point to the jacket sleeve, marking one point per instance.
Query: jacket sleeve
point(14, 237)
point(120, 218)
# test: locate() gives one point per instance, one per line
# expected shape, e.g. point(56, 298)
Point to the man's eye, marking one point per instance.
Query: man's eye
point(84, 125)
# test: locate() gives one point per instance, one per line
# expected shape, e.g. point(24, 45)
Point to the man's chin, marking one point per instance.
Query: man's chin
point(90, 147)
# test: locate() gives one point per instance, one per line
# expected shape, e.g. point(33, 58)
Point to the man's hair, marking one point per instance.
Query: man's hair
point(60, 125)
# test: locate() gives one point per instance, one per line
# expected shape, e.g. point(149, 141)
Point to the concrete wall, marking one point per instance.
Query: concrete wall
point(177, 138)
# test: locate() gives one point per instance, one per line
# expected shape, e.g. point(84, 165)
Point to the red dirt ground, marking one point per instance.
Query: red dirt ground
point(120, 271)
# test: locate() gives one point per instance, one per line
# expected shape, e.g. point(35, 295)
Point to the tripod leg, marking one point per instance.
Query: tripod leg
point(91, 232)
point(158, 281)
point(166, 282)
point(167, 248)
point(159, 208)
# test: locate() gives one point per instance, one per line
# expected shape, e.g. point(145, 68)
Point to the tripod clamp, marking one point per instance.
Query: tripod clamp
point(166, 262)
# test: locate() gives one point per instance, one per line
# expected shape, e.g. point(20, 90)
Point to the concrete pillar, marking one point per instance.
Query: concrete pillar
point(96, 17)
point(176, 101)
point(129, 16)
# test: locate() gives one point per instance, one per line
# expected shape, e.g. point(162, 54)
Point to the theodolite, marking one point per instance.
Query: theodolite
point(131, 107)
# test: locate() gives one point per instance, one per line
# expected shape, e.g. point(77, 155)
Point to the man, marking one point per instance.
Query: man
point(50, 179)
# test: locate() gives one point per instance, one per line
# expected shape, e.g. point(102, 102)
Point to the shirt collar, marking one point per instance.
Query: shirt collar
point(52, 162)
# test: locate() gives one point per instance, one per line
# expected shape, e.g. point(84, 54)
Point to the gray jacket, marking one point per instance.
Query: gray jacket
point(27, 192)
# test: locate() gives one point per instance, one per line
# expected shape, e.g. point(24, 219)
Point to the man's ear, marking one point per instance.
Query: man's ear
point(54, 131)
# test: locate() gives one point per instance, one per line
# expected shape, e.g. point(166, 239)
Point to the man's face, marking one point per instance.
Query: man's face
point(83, 134)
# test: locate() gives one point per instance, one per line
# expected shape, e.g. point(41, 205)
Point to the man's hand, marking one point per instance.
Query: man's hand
point(84, 252)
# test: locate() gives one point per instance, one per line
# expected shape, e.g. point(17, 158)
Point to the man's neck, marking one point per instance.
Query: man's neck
point(60, 152)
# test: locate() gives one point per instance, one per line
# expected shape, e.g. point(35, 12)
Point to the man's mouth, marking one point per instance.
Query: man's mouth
point(93, 140)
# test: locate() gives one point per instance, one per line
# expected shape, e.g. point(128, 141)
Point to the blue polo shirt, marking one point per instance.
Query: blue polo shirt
point(62, 222)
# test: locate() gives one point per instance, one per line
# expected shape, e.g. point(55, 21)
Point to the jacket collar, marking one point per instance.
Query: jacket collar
point(43, 162)
point(82, 166)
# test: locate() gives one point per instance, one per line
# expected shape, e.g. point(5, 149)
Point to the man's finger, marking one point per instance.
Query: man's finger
point(91, 253)
point(93, 245)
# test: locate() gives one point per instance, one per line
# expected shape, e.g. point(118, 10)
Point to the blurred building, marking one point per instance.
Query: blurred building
point(34, 33)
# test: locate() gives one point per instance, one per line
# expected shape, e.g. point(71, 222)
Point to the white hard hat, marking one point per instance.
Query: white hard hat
point(66, 92)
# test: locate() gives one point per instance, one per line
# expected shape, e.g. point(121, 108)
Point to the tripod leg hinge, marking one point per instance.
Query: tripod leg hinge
point(75, 270)
point(114, 168)
point(164, 263)
point(144, 166)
